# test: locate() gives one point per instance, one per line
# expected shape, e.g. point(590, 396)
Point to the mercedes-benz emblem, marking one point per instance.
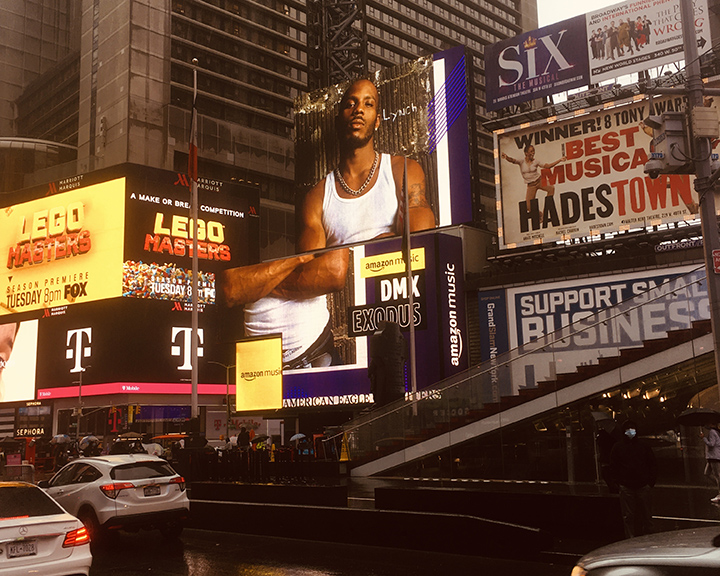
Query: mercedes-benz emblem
point(23, 530)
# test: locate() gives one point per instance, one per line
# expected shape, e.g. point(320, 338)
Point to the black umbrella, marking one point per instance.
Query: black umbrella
point(698, 417)
point(259, 438)
point(8, 441)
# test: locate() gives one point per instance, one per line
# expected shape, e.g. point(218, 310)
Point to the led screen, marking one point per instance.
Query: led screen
point(259, 374)
point(423, 111)
point(64, 249)
point(18, 358)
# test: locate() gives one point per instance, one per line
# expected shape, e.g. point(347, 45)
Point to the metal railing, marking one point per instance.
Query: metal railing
point(18, 472)
point(663, 317)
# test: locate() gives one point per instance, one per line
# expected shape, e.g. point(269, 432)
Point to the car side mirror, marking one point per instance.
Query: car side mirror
point(44, 484)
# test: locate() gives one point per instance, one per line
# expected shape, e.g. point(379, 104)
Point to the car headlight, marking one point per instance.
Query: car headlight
point(578, 571)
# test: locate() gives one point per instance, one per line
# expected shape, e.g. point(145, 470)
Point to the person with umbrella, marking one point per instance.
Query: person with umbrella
point(712, 454)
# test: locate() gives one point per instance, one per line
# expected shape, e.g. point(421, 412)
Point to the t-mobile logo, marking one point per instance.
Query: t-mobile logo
point(184, 348)
point(76, 348)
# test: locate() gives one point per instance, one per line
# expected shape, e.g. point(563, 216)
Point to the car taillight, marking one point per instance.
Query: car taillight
point(180, 481)
point(112, 490)
point(76, 538)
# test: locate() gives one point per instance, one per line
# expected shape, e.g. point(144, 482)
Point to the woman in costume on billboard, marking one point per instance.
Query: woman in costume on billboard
point(530, 170)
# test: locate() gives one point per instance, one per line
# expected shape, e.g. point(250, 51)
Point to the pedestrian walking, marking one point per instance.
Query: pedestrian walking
point(711, 437)
point(632, 464)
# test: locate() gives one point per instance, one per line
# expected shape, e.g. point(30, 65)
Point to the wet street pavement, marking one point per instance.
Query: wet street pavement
point(205, 553)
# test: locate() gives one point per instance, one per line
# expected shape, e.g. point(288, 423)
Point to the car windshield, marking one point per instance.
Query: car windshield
point(140, 470)
point(21, 501)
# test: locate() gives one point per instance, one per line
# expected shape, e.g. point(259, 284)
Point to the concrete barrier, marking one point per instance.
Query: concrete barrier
point(435, 532)
point(309, 495)
point(562, 515)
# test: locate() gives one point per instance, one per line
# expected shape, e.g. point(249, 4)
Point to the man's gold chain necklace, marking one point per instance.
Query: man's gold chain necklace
point(360, 190)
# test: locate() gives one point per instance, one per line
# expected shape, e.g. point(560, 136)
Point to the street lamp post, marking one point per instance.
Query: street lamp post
point(700, 155)
point(705, 179)
point(227, 394)
point(79, 410)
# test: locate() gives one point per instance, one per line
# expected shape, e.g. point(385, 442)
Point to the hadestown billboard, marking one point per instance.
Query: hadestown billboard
point(583, 175)
point(604, 44)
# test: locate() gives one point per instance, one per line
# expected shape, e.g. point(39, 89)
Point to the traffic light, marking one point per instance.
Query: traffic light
point(669, 149)
point(133, 412)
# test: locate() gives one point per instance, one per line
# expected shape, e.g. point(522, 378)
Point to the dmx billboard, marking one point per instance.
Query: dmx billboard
point(422, 114)
point(325, 339)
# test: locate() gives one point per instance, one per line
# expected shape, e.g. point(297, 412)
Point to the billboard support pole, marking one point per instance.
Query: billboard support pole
point(407, 256)
point(194, 228)
point(227, 396)
point(704, 184)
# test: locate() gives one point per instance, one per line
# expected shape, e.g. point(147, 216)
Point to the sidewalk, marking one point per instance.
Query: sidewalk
point(580, 517)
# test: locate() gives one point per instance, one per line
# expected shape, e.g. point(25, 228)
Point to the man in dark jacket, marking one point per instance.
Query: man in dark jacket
point(632, 465)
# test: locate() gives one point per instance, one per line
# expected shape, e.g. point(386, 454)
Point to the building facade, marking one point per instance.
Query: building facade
point(97, 84)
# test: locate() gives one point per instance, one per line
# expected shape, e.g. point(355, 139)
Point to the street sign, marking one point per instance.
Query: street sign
point(716, 261)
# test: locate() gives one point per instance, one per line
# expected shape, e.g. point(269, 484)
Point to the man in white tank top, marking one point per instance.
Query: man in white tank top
point(356, 202)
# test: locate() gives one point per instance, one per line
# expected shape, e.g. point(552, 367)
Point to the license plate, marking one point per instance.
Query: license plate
point(152, 490)
point(17, 549)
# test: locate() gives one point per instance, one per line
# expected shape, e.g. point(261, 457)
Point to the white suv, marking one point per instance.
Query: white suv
point(122, 491)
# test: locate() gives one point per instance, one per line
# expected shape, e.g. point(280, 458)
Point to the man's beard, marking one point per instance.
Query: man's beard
point(356, 141)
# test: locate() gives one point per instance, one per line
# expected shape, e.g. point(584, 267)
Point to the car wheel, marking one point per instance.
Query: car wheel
point(89, 519)
point(171, 530)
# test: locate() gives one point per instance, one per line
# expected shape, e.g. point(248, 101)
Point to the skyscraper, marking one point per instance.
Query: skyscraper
point(114, 80)
point(389, 32)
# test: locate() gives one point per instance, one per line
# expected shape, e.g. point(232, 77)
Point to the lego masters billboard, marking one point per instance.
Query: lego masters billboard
point(83, 250)
point(127, 236)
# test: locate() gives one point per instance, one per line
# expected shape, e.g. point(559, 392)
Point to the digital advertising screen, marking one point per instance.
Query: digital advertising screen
point(131, 346)
point(423, 112)
point(159, 242)
point(325, 338)
point(63, 249)
point(258, 374)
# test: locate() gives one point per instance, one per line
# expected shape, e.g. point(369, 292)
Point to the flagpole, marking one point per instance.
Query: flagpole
point(407, 256)
point(192, 170)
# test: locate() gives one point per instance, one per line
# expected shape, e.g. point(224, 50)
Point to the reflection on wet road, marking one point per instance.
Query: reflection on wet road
point(204, 553)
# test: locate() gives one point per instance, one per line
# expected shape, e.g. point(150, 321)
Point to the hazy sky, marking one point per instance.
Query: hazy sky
point(551, 11)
